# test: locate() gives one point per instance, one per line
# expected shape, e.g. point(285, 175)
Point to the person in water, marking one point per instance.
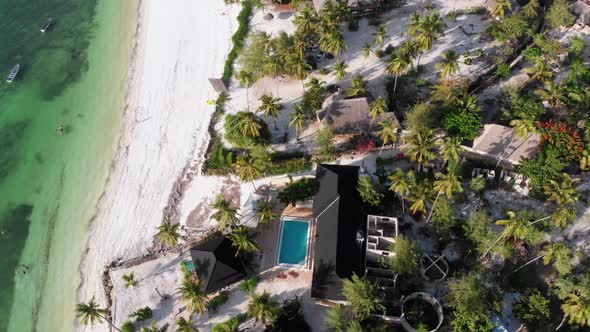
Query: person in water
point(60, 129)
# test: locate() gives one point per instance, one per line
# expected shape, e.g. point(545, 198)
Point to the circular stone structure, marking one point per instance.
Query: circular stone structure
point(268, 16)
point(422, 308)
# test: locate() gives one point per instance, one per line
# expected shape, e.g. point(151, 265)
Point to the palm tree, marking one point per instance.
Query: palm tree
point(152, 328)
point(380, 36)
point(246, 78)
point(541, 71)
point(185, 325)
point(395, 67)
point(449, 64)
point(388, 133)
point(298, 119)
point(530, 9)
point(420, 197)
point(193, 294)
point(377, 108)
point(450, 149)
point(247, 169)
point(306, 21)
point(248, 124)
point(168, 234)
point(332, 42)
point(265, 212)
point(445, 184)
point(340, 70)
point(413, 28)
point(577, 308)
point(129, 280)
point(270, 107)
point(274, 67)
point(240, 238)
point(263, 308)
point(226, 215)
point(362, 296)
point(431, 28)
point(553, 93)
point(514, 227)
point(555, 253)
point(91, 313)
point(420, 147)
point(522, 128)
point(500, 7)
point(563, 192)
point(408, 50)
point(402, 183)
point(358, 88)
point(563, 216)
point(367, 49)
point(298, 67)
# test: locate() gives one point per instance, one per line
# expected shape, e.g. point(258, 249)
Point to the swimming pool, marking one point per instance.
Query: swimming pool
point(293, 243)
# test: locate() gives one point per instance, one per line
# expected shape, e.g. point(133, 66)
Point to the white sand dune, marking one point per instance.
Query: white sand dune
point(180, 45)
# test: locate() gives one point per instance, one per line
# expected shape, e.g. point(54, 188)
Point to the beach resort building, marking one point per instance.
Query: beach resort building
point(216, 261)
point(350, 116)
point(498, 141)
point(335, 236)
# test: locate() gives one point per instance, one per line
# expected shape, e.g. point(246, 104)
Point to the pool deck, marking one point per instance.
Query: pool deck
point(297, 212)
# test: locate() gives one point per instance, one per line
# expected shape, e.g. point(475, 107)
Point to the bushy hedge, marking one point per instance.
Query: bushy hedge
point(218, 300)
point(238, 38)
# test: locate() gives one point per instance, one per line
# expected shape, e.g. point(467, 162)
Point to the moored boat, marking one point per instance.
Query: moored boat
point(46, 25)
point(13, 73)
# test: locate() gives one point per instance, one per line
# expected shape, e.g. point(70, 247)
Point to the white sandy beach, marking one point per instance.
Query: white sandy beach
point(180, 45)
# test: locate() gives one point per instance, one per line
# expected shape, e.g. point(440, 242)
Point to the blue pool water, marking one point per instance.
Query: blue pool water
point(294, 242)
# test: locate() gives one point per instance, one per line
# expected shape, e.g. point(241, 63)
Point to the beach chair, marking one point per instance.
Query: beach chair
point(293, 274)
point(281, 276)
point(474, 172)
point(518, 179)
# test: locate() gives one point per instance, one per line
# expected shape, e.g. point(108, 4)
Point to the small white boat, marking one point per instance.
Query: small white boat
point(13, 73)
point(46, 24)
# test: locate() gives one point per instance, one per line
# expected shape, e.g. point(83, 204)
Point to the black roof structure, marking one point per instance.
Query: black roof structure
point(340, 231)
point(216, 262)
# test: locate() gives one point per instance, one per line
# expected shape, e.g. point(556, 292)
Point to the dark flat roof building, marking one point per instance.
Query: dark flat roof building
point(340, 231)
point(216, 262)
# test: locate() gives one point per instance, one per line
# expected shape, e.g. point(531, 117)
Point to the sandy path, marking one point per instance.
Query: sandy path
point(180, 45)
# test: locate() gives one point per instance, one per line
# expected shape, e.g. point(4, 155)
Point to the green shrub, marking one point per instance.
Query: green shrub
point(289, 166)
point(533, 309)
point(443, 218)
point(218, 300)
point(220, 160)
point(128, 327)
point(472, 322)
point(235, 136)
point(477, 184)
point(299, 191)
point(249, 285)
point(462, 125)
point(238, 38)
point(503, 71)
point(406, 258)
point(559, 14)
point(142, 314)
point(230, 325)
point(540, 170)
point(476, 10)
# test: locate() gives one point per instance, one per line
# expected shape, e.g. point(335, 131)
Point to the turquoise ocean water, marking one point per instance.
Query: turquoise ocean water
point(73, 75)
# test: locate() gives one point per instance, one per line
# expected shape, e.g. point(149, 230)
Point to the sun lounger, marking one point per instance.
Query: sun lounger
point(293, 274)
point(518, 179)
point(475, 172)
point(282, 276)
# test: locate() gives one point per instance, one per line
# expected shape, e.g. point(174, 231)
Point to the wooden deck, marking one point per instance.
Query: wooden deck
point(298, 212)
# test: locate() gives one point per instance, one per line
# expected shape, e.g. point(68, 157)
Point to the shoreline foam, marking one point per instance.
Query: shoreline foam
point(164, 128)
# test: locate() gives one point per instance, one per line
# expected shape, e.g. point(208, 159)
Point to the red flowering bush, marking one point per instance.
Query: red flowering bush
point(565, 140)
point(365, 144)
